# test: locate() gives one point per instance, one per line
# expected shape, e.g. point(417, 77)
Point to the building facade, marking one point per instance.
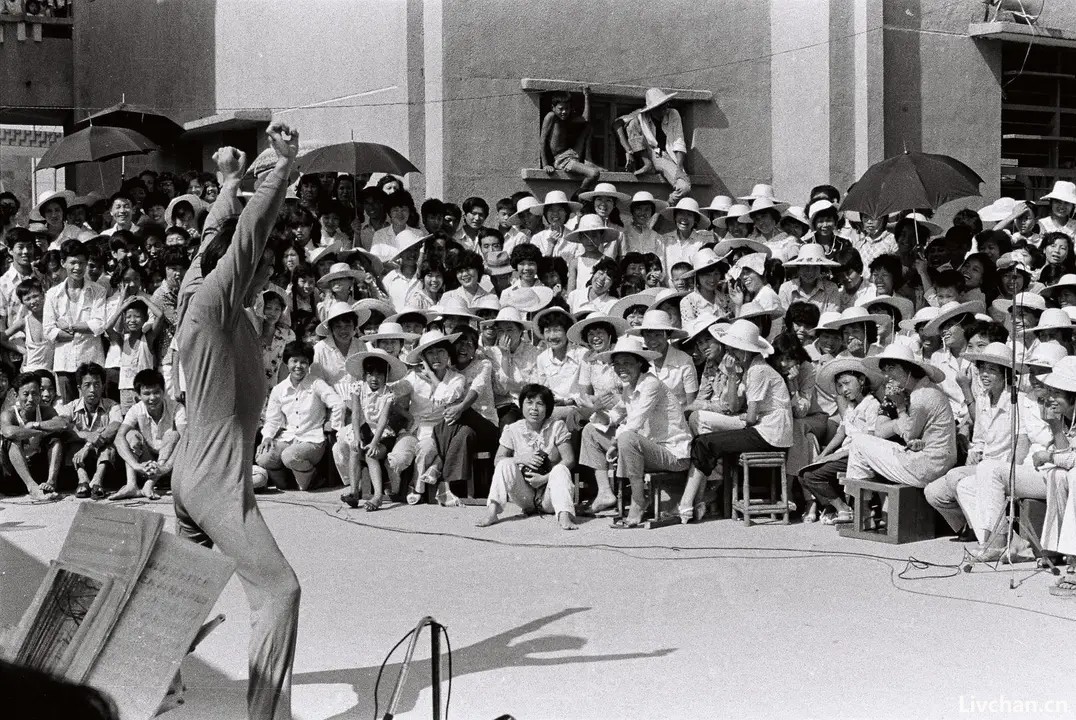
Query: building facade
point(790, 92)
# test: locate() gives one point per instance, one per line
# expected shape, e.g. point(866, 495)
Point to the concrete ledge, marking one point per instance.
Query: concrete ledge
point(224, 122)
point(613, 177)
point(1019, 32)
point(630, 91)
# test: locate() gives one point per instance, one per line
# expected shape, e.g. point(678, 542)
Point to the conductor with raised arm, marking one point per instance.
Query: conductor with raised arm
point(218, 346)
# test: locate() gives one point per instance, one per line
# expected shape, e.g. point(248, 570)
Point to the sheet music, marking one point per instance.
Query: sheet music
point(174, 595)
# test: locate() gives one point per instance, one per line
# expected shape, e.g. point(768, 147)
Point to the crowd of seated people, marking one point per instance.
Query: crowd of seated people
point(590, 338)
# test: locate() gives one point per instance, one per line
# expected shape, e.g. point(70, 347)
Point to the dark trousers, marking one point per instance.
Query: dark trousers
point(708, 450)
point(486, 435)
point(455, 444)
point(822, 481)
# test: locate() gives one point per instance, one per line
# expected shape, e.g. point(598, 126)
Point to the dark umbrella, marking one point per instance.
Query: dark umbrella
point(357, 158)
point(148, 121)
point(911, 180)
point(96, 144)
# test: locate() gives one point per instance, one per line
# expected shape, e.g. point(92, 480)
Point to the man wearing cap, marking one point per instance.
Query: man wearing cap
point(212, 485)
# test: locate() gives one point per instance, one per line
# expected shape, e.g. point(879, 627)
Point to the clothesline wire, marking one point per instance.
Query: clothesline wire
point(494, 96)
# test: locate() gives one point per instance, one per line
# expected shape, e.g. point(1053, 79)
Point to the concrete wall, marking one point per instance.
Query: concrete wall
point(331, 67)
point(35, 76)
point(491, 127)
point(943, 89)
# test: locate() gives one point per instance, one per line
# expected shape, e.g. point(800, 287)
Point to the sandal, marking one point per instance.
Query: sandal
point(97, 492)
point(811, 516)
point(1065, 588)
point(413, 498)
point(843, 517)
point(372, 504)
point(350, 500)
point(82, 491)
point(445, 498)
point(47, 488)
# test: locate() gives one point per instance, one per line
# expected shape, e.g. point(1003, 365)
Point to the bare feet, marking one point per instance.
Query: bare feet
point(373, 504)
point(42, 492)
point(149, 491)
point(490, 519)
point(566, 521)
point(125, 493)
point(601, 504)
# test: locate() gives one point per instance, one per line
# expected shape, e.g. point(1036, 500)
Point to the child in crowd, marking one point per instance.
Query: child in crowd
point(126, 329)
point(38, 348)
point(565, 140)
point(49, 395)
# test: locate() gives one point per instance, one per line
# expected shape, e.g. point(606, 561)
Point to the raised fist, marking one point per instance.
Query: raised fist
point(284, 140)
point(231, 163)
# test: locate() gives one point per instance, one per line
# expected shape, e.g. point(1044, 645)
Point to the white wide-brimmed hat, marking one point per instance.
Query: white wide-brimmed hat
point(592, 223)
point(523, 206)
point(655, 98)
point(550, 312)
point(753, 310)
point(396, 367)
point(376, 264)
point(824, 320)
point(406, 311)
point(755, 262)
point(1025, 301)
point(577, 333)
point(605, 189)
point(853, 315)
point(427, 341)
point(904, 307)
point(340, 309)
point(1018, 259)
point(1064, 191)
point(668, 295)
point(527, 300)
point(390, 331)
point(703, 260)
point(901, 353)
point(698, 326)
point(690, 205)
point(818, 206)
point(744, 335)
point(630, 345)
point(998, 210)
point(1063, 375)
point(922, 317)
point(950, 310)
point(338, 271)
point(760, 191)
point(1068, 280)
point(760, 204)
point(736, 213)
point(325, 252)
point(661, 321)
point(488, 302)
point(450, 306)
point(827, 374)
point(922, 220)
point(408, 239)
point(372, 305)
point(1053, 319)
point(64, 197)
point(995, 353)
point(555, 197)
point(811, 255)
point(509, 315)
point(720, 204)
point(726, 247)
point(644, 196)
point(1043, 357)
point(644, 298)
point(797, 213)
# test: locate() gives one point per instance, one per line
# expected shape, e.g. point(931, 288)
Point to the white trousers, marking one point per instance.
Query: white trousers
point(509, 486)
point(869, 456)
point(1059, 528)
point(982, 496)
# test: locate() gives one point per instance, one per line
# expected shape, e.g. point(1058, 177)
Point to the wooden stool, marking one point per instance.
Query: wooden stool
point(658, 482)
point(908, 516)
point(483, 467)
point(747, 507)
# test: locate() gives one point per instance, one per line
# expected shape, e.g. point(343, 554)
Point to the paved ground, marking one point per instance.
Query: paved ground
point(714, 620)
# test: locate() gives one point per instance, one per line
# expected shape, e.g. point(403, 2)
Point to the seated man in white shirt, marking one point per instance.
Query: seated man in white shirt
point(148, 436)
point(293, 437)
